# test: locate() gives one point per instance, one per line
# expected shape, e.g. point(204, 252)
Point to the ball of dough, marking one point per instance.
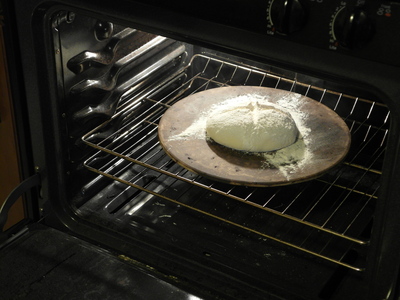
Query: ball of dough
point(253, 128)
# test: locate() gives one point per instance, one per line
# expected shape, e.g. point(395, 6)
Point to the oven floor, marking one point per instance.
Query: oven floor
point(49, 264)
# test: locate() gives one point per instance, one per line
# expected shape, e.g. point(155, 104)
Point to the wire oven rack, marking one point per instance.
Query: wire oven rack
point(329, 217)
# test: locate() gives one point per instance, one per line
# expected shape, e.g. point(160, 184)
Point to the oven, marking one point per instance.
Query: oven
point(91, 82)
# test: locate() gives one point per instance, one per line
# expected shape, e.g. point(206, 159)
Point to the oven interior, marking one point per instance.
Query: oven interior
point(114, 85)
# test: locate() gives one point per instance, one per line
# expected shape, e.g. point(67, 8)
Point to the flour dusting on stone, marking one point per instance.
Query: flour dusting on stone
point(289, 159)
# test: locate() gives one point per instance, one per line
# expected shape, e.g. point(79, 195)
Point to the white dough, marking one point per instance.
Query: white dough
point(252, 127)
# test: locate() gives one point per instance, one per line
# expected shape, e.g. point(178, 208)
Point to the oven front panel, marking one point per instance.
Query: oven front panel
point(111, 77)
point(356, 28)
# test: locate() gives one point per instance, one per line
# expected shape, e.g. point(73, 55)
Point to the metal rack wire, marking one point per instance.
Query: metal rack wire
point(326, 217)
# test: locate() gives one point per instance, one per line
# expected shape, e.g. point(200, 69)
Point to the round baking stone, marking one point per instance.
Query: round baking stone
point(327, 140)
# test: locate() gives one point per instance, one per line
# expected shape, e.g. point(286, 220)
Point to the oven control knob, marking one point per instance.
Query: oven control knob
point(287, 16)
point(353, 28)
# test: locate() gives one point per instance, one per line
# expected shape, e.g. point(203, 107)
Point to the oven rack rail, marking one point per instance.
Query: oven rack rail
point(368, 123)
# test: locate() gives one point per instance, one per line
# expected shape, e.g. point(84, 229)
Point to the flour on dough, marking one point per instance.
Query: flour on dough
point(252, 127)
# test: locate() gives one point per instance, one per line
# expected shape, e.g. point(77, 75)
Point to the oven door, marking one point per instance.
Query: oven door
point(44, 263)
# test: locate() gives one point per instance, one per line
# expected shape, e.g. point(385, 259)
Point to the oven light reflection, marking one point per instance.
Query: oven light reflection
point(191, 297)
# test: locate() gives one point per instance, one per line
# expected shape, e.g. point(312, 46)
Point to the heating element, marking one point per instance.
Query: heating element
point(329, 217)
